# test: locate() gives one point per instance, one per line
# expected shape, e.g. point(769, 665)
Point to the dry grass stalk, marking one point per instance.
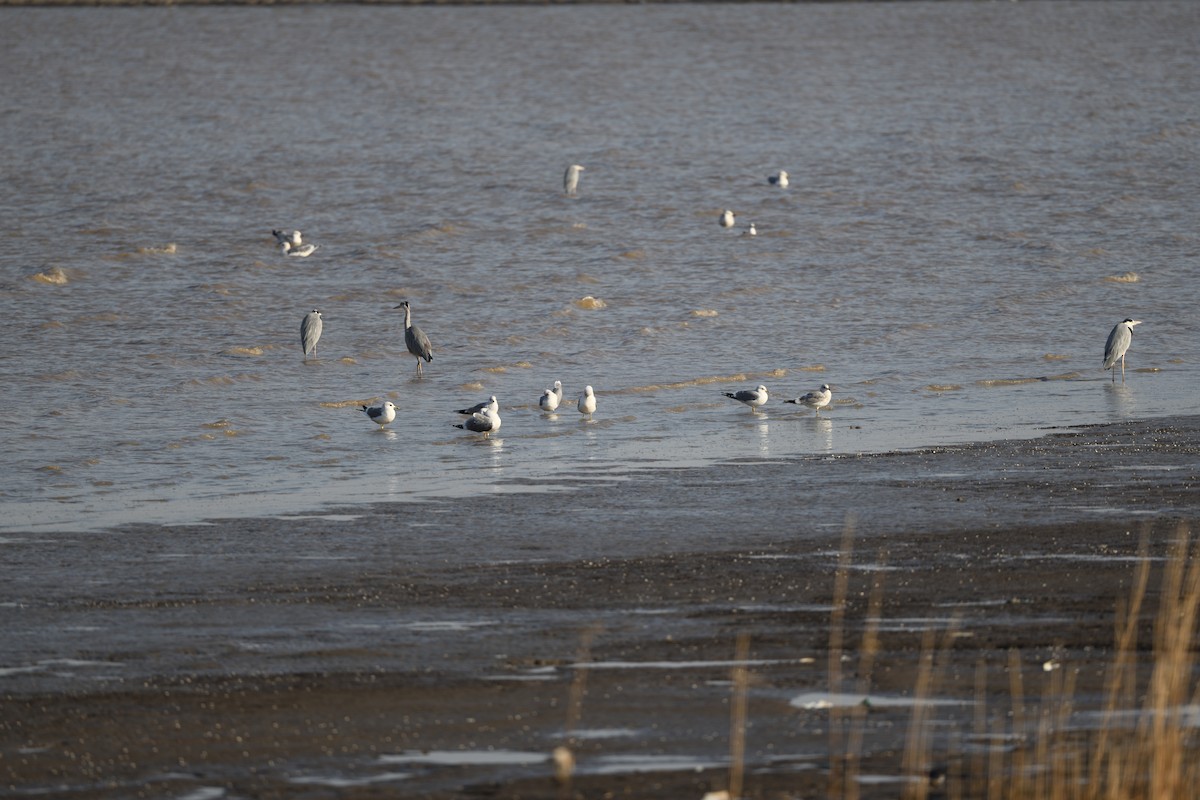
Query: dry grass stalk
point(866, 666)
point(916, 762)
point(564, 756)
point(737, 739)
point(837, 621)
point(1152, 761)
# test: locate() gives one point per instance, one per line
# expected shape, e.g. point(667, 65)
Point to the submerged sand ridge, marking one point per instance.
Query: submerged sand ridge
point(439, 650)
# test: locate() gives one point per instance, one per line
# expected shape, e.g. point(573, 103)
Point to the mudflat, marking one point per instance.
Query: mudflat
point(444, 650)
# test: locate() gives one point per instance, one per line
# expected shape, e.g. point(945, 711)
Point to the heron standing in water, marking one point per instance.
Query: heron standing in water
point(571, 180)
point(1117, 344)
point(415, 339)
point(310, 332)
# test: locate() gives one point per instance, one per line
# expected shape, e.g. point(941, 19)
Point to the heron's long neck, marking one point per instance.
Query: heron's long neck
point(407, 317)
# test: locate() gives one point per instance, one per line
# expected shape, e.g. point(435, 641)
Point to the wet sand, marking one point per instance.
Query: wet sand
point(434, 649)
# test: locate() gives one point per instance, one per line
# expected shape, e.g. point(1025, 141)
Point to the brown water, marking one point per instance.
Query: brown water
point(971, 185)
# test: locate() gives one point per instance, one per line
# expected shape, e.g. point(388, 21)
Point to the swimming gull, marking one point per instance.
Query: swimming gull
point(381, 414)
point(475, 409)
point(815, 400)
point(571, 180)
point(415, 339)
point(727, 219)
point(486, 422)
point(751, 397)
point(310, 331)
point(587, 401)
point(294, 238)
point(300, 251)
point(751, 231)
point(780, 179)
point(1117, 344)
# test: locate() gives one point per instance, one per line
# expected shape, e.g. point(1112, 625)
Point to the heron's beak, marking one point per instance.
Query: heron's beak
point(1135, 322)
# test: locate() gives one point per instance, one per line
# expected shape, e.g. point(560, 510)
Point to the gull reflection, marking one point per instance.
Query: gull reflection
point(764, 439)
point(824, 429)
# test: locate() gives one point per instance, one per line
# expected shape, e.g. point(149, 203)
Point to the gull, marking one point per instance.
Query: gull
point(381, 414)
point(751, 397)
point(415, 339)
point(571, 180)
point(751, 231)
point(551, 398)
point(727, 219)
point(475, 409)
point(587, 401)
point(294, 238)
point(1117, 344)
point(780, 180)
point(815, 400)
point(310, 331)
point(297, 251)
point(486, 422)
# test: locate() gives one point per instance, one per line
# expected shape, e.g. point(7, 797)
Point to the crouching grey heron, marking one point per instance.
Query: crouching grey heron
point(571, 180)
point(310, 331)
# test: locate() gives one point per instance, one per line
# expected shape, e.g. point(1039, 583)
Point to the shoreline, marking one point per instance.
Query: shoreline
point(390, 654)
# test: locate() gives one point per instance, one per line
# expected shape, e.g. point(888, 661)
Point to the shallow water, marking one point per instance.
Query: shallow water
point(971, 187)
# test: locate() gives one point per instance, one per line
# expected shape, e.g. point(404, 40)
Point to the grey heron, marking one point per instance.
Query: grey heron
point(486, 422)
point(751, 397)
point(381, 414)
point(475, 409)
point(310, 331)
point(415, 339)
point(815, 400)
point(571, 180)
point(780, 179)
point(1117, 344)
point(727, 219)
point(587, 402)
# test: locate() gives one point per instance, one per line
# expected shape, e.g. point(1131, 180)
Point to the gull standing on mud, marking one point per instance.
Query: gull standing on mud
point(415, 339)
point(727, 219)
point(490, 403)
point(751, 397)
point(381, 414)
point(1117, 344)
point(486, 422)
point(571, 180)
point(551, 398)
point(587, 402)
point(310, 332)
point(815, 400)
